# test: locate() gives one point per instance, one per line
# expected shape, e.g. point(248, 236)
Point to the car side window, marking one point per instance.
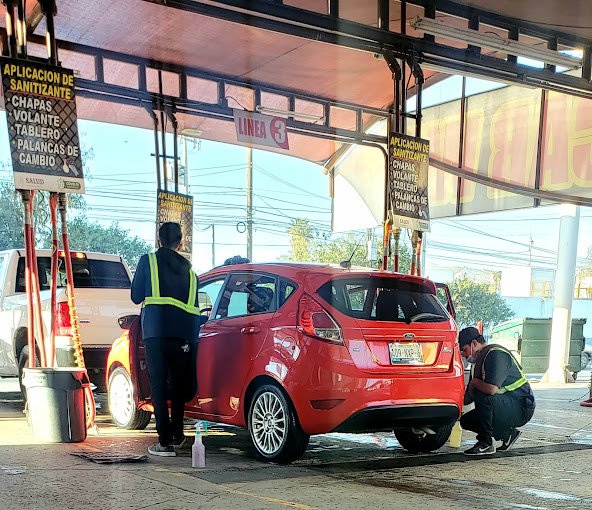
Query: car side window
point(247, 294)
point(287, 288)
point(208, 294)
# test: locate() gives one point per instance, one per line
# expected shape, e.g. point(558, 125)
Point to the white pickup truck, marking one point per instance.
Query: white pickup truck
point(102, 292)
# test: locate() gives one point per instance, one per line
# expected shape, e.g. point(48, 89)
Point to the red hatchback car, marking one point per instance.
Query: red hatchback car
point(290, 350)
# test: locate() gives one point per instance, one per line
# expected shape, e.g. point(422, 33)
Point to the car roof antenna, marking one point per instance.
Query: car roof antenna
point(346, 264)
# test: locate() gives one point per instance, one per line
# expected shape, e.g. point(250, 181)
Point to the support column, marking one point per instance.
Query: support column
point(563, 295)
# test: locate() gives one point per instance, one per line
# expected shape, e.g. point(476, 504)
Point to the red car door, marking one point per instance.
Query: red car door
point(231, 339)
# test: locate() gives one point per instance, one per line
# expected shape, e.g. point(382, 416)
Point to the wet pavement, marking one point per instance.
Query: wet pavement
point(549, 467)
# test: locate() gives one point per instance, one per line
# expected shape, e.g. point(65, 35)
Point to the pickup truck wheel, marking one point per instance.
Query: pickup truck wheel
point(122, 405)
point(23, 362)
point(424, 443)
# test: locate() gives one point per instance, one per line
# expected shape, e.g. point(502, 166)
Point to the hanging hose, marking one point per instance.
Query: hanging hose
point(78, 355)
point(26, 196)
point(419, 242)
point(397, 236)
point(53, 203)
point(39, 330)
point(77, 344)
point(414, 240)
point(386, 244)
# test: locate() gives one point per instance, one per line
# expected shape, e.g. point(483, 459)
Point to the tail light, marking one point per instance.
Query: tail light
point(315, 321)
point(62, 320)
point(73, 254)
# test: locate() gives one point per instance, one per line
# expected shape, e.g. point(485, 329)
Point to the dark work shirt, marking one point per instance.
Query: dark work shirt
point(166, 320)
point(500, 369)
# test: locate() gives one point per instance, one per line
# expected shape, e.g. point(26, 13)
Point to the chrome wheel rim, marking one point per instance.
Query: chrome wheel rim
point(268, 423)
point(121, 399)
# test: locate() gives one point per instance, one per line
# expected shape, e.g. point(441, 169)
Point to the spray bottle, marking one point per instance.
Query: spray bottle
point(198, 450)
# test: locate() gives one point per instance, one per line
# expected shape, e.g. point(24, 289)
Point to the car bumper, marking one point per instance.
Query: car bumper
point(362, 404)
point(391, 417)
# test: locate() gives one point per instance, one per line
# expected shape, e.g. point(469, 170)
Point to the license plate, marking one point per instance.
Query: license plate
point(408, 353)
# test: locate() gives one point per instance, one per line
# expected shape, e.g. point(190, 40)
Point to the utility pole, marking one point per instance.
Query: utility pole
point(213, 246)
point(250, 203)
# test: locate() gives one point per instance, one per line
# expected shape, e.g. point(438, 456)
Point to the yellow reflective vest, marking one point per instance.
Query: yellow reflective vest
point(157, 299)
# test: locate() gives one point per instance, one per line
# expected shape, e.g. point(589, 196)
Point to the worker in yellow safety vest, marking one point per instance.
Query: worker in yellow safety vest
point(502, 396)
point(166, 285)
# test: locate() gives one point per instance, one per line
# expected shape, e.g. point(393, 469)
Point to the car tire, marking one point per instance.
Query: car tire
point(122, 404)
point(273, 426)
point(23, 362)
point(424, 443)
point(585, 359)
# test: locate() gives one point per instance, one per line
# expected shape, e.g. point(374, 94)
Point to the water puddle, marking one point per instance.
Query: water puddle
point(13, 470)
point(382, 441)
point(528, 507)
point(557, 496)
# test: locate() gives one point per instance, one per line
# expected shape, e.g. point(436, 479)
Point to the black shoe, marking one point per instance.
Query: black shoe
point(507, 443)
point(162, 451)
point(179, 442)
point(481, 449)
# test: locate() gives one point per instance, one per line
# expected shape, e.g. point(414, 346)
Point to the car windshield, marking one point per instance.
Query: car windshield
point(383, 299)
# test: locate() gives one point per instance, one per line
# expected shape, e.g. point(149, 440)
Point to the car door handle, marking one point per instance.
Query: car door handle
point(250, 330)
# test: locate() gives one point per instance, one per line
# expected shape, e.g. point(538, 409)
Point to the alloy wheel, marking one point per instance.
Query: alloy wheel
point(269, 423)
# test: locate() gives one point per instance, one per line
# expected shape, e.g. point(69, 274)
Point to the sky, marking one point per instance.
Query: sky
point(121, 187)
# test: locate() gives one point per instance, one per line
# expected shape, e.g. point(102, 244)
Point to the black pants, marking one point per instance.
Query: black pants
point(496, 415)
point(167, 361)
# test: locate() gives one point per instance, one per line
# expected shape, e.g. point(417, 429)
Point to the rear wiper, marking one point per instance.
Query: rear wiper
point(427, 317)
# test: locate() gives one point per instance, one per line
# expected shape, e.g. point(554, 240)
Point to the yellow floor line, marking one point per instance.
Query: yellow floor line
point(276, 501)
point(224, 488)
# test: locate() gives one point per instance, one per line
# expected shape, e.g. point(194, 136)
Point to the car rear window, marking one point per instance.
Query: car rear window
point(88, 274)
point(383, 299)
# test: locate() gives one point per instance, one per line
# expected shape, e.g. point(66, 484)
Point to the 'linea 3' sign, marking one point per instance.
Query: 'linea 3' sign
point(42, 129)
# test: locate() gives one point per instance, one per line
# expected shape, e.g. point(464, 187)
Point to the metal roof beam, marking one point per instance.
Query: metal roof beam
point(101, 88)
point(329, 29)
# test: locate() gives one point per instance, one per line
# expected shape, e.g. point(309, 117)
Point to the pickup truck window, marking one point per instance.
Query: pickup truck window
point(88, 274)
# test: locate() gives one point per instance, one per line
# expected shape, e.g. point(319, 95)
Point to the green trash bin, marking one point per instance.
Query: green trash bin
point(529, 339)
point(56, 403)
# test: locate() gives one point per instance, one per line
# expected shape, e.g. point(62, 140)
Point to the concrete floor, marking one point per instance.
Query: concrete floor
point(549, 467)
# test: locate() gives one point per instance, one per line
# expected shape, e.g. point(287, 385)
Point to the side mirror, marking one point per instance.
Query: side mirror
point(126, 321)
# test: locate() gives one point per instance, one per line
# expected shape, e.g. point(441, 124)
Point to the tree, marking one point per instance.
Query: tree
point(475, 301)
point(87, 235)
point(302, 236)
point(11, 212)
point(586, 269)
point(11, 218)
point(308, 246)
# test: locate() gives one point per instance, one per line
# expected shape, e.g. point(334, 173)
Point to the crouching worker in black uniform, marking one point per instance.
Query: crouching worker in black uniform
point(166, 284)
point(502, 396)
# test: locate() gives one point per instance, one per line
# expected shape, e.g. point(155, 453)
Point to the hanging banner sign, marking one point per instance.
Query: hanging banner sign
point(178, 208)
point(408, 182)
point(42, 130)
point(256, 129)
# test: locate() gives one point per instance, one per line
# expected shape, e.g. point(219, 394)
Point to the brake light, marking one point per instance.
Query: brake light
point(62, 320)
point(315, 321)
point(73, 254)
